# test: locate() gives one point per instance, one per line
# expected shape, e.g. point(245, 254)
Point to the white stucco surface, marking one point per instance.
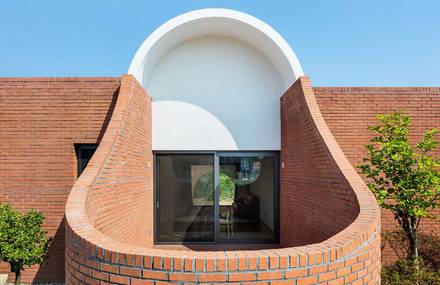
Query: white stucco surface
point(215, 77)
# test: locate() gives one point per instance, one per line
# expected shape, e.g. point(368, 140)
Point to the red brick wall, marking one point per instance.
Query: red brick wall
point(103, 256)
point(348, 111)
point(315, 196)
point(120, 201)
point(318, 264)
point(40, 120)
point(111, 203)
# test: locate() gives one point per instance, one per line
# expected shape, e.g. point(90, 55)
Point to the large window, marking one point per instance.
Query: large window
point(217, 197)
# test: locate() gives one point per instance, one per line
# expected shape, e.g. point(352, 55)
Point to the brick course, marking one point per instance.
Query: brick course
point(349, 111)
point(109, 238)
point(349, 254)
point(40, 121)
point(315, 196)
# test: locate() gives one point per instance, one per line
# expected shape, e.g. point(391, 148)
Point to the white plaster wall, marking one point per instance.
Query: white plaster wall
point(215, 93)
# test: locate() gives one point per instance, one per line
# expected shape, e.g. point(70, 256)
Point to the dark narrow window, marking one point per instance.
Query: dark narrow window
point(84, 153)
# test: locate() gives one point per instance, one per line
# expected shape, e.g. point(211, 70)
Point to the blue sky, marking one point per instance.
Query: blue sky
point(339, 43)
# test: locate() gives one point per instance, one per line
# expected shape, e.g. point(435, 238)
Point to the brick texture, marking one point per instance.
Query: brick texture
point(40, 121)
point(120, 200)
point(349, 111)
point(315, 195)
point(102, 255)
point(330, 223)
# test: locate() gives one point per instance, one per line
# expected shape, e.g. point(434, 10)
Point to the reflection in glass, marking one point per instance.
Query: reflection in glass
point(185, 196)
point(248, 211)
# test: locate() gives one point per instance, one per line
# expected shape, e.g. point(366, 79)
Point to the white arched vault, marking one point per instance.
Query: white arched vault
point(215, 76)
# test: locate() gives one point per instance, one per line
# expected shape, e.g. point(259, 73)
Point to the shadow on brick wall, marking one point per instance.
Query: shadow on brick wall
point(53, 269)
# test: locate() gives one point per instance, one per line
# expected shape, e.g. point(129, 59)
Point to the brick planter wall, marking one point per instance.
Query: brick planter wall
point(40, 121)
point(347, 253)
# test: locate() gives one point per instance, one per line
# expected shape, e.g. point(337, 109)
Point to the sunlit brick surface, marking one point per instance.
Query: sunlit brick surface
point(40, 120)
point(325, 251)
point(329, 222)
point(348, 111)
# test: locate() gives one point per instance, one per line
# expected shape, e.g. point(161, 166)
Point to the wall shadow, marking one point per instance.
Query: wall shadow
point(53, 269)
point(108, 115)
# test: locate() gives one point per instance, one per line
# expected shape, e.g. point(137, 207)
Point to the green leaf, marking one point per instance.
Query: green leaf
point(22, 240)
point(403, 178)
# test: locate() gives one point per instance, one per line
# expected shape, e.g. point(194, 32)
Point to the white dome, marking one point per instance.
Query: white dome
point(221, 22)
point(217, 74)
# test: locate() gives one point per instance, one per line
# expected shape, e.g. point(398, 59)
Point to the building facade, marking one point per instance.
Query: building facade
point(213, 161)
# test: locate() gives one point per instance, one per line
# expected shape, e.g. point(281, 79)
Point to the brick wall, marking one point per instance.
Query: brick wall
point(315, 196)
point(318, 264)
point(40, 120)
point(348, 111)
point(103, 256)
point(112, 200)
point(120, 200)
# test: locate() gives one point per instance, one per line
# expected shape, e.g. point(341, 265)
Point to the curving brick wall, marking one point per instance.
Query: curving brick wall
point(349, 111)
point(345, 252)
point(316, 195)
point(120, 199)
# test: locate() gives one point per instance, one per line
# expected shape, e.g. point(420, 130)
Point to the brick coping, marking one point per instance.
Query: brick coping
point(375, 89)
point(60, 79)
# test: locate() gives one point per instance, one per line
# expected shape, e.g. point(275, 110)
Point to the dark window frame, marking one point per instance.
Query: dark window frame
point(217, 239)
point(79, 150)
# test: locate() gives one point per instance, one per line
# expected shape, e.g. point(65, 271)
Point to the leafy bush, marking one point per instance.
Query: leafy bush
point(404, 179)
point(429, 247)
point(22, 241)
point(430, 250)
point(410, 272)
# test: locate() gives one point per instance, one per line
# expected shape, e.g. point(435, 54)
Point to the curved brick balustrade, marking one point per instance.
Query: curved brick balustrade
point(329, 220)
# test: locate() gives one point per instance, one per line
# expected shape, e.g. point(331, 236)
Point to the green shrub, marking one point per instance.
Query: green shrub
point(409, 272)
point(429, 247)
point(22, 241)
point(405, 179)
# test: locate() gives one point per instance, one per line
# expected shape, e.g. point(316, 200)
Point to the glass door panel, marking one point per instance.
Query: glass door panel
point(185, 197)
point(246, 187)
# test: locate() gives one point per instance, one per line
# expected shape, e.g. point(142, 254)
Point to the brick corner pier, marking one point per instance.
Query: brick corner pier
point(330, 222)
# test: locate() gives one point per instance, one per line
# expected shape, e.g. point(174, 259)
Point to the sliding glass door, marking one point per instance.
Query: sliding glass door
point(247, 197)
point(217, 197)
point(184, 197)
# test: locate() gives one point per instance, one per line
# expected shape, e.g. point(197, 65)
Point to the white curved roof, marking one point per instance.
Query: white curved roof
point(221, 22)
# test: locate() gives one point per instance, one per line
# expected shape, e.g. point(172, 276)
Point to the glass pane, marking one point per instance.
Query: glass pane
point(246, 198)
point(185, 195)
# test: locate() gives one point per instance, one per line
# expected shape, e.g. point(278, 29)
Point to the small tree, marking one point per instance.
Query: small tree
point(404, 179)
point(22, 241)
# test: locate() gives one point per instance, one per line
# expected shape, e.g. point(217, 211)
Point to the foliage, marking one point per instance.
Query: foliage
point(22, 241)
point(205, 185)
point(410, 272)
point(226, 188)
point(429, 246)
point(404, 179)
